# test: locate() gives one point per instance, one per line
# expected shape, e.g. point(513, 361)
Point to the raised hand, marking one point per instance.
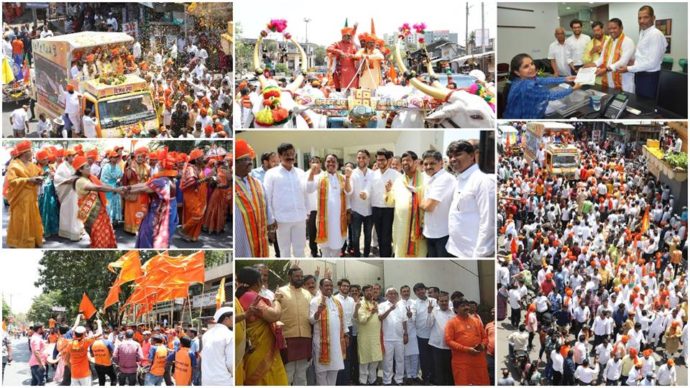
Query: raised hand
point(409, 312)
point(431, 307)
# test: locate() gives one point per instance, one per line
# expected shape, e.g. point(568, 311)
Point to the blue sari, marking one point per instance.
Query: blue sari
point(159, 223)
point(528, 98)
point(110, 175)
point(48, 206)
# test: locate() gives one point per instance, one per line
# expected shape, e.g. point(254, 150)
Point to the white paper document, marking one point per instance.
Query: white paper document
point(586, 76)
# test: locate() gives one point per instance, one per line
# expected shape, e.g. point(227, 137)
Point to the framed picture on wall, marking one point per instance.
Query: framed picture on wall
point(668, 45)
point(664, 25)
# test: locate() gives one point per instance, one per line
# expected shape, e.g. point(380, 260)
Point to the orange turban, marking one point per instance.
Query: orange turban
point(70, 87)
point(141, 151)
point(93, 154)
point(42, 155)
point(243, 149)
point(196, 154)
point(22, 146)
point(78, 162)
point(624, 339)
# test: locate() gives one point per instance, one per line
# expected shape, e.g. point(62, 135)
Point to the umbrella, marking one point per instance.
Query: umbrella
point(7, 73)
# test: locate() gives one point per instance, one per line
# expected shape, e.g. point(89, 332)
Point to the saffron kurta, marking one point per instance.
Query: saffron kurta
point(48, 206)
point(218, 204)
point(408, 240)
point(25, 229)
point(70, 227)
point(463, 334)
point(369, 333)
point(136, 205)
point(345, 73)
point(194, 201)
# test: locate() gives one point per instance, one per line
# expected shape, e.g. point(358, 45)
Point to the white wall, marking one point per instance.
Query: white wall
point(677, 12)
point(535, 42)
point(456, 275)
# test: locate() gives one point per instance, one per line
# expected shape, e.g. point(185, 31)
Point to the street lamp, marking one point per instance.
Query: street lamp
point(306, 37)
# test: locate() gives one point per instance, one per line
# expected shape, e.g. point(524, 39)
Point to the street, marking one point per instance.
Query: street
point(504, 329)
point(7, 112)
point(126, 240)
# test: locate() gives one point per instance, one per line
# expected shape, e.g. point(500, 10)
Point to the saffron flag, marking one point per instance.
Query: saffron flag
point(113, 295)
point(130, 265)
point(645, 220)
point(220, 296)
point(87, 307)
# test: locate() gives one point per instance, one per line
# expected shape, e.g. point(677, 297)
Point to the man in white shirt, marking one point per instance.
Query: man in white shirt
point(514, 298)
point(438, 195)
point(584, 375)
point(136, 50)
point(72, 107)
point(601, 328)
point(411, 347)
point(666, 374)
point(423, 306)
point(46, 32)
point(614, 366)
point(348, 305)
point(89, 124)
point(218, 351)
point(381, 212)
point(619, 50)
point(575, 45)
point(312, 207)
point(649, 53)
point(437, 320)
point(472, 216)
point(558, 54)
point(324, 309)
point(19, 120)
point(557, 365)
point(360, 203)
point(394, 326)
point(285, 187)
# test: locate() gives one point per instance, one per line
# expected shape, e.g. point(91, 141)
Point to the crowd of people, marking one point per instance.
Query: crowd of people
point(594, 266)
point(417, 206)
point(621, 64)
point(142, 354)
point(190, 81)
point(318, 332)
point(150, 193)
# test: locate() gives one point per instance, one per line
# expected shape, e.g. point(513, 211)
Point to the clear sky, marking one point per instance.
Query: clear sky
point(17, 279)
point(328, 17)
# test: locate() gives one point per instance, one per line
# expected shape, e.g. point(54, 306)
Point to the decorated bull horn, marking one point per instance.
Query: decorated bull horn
point(432, 91)
point(294, 85)
point(432, 73)
point(258, 65)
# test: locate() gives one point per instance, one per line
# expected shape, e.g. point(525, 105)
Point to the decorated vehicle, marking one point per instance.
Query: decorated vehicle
point(123, 103)
point(365, 101)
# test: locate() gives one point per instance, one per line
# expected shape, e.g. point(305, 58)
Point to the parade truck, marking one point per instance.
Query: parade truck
point(559, 159)
point(123, 104)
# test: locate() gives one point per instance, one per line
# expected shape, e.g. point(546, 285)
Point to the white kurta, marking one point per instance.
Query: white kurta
point(335, 351)
point(335, 237)
point(411, 348)
point(70, 226)
point(627, 53)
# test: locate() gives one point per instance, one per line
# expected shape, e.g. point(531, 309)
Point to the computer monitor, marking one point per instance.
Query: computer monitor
point(672, 93)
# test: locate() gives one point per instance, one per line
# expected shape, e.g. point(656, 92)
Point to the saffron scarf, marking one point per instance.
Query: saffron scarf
point(322, 208)
point(252, 206)
point(415, 225)
point(325, 353)
point(87, 203)
point(616, 56)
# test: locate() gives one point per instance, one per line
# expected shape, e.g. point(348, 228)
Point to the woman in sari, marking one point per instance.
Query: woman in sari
point(217, 211)
point(262, 363)
point(111, 175)
point(48, 204)
point(25, 228)
point(91, 205)
point(160, 221)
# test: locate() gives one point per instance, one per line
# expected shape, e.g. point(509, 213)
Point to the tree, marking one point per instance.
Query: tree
point(319, 56)
point(6, 311)
point(42, 307)
point(277, 271)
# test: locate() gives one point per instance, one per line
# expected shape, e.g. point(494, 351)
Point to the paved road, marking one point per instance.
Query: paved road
point(504, 329)
point(126, 240)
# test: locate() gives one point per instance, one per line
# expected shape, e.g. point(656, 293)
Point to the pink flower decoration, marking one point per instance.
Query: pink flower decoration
point(277, 25)
point(404, 30)
point(421, 39)
point(419, 27)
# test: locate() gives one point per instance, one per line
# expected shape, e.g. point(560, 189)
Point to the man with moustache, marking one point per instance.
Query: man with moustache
point(294, 303)
point(285, 187)
point(329, 338)
point(268, 161)
point(407, 193)
point(423, 307)
point(596, 45)
point(368, 338)
point(617, 52)
point(467, 340)
point(348, 304)
point(438, 195)
point(437, 320)
point(558, 54)
point(649, 54)
point(394, 328)
point(411, 347)
point(360, 203)
point(473, 211)
point(345, 75)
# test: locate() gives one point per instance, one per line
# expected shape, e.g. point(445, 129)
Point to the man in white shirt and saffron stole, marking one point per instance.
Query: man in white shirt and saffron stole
point(332, 190)
point(649, 54)
point(617, 53)
point(285, 187)
point(473, 211)
point(407, 194)
point(329, 338)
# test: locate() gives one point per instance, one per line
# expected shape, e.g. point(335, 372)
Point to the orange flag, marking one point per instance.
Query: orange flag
point(87, 307)
point(113, 295)
point(645, 220)
point(130, 264)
